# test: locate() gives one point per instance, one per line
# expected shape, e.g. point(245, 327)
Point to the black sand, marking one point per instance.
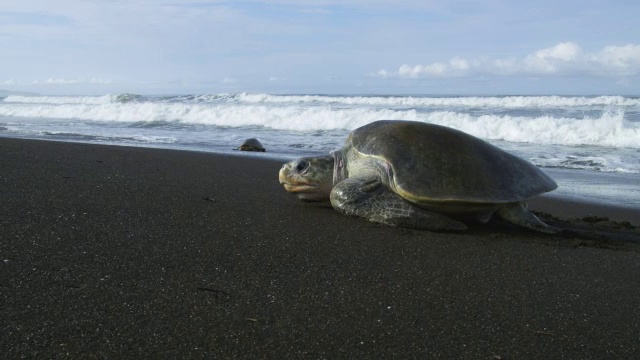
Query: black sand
point(114, 252)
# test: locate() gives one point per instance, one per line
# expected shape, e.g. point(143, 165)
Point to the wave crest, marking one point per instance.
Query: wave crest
point(610, 129)
point(509, 102)
point(462, 101)
point(59, 100)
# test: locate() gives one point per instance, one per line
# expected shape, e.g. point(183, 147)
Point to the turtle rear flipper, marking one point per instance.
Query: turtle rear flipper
point(370, 199)
point(517, 214)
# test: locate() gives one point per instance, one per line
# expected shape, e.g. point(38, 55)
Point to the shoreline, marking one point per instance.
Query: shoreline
point(113, 251)
point(571, 206)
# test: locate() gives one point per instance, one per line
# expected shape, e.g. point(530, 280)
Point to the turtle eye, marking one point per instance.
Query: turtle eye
point(302, 166)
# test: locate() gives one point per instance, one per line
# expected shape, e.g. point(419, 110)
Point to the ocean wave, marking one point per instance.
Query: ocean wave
point(146, 139)
point(59, 100)
point(588, 162)
point(126, 97)
point(70, 100)
point(462, 101)
point(504, 102)
point(610, 129)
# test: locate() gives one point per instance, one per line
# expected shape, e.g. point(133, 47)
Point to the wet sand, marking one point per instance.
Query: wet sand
point(143, 253)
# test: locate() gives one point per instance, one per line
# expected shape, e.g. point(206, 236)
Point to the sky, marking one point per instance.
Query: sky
point(464, 47)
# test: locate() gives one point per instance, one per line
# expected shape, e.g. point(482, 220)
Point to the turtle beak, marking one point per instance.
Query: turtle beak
point(284, 174)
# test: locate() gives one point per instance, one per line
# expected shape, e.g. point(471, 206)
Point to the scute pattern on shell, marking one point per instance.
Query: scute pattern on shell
point(432, 163)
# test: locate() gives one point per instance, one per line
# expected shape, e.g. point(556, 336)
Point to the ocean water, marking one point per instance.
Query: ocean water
point(591, 145)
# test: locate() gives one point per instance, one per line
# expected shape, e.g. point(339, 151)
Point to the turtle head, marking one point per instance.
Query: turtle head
point(311, 178)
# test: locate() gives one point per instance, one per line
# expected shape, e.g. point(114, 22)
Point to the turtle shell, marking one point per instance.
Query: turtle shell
point(433, 163)
point(251, 145)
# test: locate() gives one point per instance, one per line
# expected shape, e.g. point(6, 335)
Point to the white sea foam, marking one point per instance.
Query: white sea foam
point(464, 101)
point(60, 100)
point(610, 129)
point(510, 102)
point(610, 164)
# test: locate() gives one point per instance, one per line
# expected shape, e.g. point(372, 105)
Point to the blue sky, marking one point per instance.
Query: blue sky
point(320, 46)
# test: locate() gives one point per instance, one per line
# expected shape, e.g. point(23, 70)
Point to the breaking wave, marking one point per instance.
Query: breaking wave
point(609, 128)
point(462, 101)
point(509, 102)
point(60, 100)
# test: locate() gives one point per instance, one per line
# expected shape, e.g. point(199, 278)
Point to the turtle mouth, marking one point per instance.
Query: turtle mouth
point(305, 192)
point(296, 188)
point(295, 184)
point(302, 186)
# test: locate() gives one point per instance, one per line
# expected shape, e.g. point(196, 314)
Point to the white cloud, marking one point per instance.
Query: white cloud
point(551, 60)
point(562, 59)
point(455, 67)
point(228, 80)
point(620, 60)
point(52, 81)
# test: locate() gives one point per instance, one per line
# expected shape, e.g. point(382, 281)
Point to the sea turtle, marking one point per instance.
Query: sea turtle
point(413, 174)
point(251, 145)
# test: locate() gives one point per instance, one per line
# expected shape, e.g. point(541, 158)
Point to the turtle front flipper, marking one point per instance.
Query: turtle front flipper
point(372, 200)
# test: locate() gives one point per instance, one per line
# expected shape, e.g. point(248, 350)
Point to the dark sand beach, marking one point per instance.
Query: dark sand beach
point(116, 252)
